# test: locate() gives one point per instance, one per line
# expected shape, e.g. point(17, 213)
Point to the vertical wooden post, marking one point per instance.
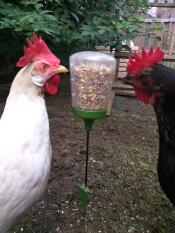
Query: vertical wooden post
point(172, 40)
point(112, 94)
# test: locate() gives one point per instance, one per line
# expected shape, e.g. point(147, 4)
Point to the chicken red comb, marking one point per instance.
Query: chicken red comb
point(145, 61)
point(37, 50)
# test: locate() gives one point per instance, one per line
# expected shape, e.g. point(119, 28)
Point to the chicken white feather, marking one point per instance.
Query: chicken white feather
point(25, 150)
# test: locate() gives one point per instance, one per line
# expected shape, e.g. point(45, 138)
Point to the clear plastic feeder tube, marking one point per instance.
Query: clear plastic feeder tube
point(92, 75)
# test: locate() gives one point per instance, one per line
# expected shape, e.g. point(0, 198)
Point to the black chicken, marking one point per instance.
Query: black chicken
point(155, 83)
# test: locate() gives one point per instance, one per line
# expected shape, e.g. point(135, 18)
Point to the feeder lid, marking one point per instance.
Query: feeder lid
point(92, 56)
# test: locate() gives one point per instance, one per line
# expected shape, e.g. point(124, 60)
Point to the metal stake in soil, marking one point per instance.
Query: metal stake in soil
point(83, 189)
point(87, 158)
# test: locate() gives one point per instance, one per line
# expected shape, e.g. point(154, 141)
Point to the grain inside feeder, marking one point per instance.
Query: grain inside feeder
point(92, 75)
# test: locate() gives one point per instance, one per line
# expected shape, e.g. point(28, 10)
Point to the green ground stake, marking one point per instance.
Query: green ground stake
point(83, 193)
point(89, 118)
point(83, 189)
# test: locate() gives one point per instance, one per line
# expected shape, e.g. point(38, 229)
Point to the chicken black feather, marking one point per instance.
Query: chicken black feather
point(165, 114)
point(163, 80)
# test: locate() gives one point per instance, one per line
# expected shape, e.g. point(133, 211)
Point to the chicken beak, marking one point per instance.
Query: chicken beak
point(61, 69)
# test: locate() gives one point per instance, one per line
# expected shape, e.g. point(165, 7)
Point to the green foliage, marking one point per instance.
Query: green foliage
point(18, 20)
point(67, 25)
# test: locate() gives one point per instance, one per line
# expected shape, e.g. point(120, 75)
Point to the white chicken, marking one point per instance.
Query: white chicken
point(25, 149)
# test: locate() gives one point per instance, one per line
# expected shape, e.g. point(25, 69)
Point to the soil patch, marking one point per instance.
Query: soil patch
point(125, 195)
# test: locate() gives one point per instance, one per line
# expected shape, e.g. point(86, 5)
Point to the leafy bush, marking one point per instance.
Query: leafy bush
point(67, 25)
point(18, 20)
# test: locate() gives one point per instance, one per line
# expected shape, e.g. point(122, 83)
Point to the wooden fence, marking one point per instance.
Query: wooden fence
point(159, 31)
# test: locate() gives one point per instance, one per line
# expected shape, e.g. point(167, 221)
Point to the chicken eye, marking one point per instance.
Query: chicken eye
point(144, 80)
point(43, 67)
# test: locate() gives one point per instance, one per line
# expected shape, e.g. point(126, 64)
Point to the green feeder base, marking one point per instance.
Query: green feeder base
point(89, 116)
point(86, 114)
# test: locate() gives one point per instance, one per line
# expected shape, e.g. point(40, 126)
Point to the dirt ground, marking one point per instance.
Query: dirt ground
point(125, 196)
